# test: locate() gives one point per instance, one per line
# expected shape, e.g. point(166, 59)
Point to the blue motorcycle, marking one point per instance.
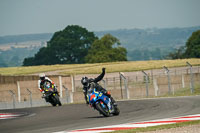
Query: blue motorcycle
point(102, 103)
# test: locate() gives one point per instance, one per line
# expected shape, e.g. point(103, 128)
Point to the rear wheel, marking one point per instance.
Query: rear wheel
point(102, 110)
point(117, 111)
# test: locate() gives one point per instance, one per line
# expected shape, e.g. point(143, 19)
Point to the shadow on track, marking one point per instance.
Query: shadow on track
point(92, 117)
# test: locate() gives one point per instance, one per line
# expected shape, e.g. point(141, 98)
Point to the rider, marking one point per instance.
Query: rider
point(43, 79)
point(87, 84)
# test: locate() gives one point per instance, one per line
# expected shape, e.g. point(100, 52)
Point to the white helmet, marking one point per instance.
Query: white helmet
point(42, 76)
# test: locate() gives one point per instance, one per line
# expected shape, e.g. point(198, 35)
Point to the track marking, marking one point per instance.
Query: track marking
point(9, 115)
point(135, 125)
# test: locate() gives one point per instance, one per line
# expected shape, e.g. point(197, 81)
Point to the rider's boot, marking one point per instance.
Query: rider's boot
point(46, 99)
point(57, 93)
point(107, 93)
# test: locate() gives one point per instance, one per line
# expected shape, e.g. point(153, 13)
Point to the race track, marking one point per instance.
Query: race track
point(78, 116)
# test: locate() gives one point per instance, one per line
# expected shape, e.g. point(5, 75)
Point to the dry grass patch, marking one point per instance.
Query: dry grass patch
point(127, 66)
point(130, 66)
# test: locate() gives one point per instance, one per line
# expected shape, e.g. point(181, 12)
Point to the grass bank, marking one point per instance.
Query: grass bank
point(127, 66)
point(184, 92)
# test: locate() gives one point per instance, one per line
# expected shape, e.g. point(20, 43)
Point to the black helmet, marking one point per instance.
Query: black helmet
point(85, 81)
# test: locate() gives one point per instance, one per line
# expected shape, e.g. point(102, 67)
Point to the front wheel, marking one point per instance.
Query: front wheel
point(53, 101)
point(59, 103)
point(102, 110)
point(56, 100)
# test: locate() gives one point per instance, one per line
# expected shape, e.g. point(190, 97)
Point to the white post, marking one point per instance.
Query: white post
point(60, 84)
point(146, 81)
point(127, 90)
point(191, 78)
point(173, 89)
point(19, 93)
point(72, 79)
point(126, 85)
point(71, 97)
point(183, 81)
point(155, 86)
point(169, 79)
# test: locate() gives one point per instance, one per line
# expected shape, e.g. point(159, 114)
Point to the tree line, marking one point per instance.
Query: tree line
point(76, 44)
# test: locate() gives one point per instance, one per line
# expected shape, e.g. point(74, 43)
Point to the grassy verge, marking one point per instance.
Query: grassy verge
point(184, 92)
point(127, 66)
point(155, 128)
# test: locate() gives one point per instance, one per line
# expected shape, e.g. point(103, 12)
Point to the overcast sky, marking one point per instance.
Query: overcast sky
point(44, 16)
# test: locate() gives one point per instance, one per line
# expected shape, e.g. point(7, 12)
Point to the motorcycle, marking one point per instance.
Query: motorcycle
point(102, 103)
point(50, 95)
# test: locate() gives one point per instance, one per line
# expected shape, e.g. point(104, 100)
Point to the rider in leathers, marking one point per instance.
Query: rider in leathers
point(87, 83)
point(43, 79)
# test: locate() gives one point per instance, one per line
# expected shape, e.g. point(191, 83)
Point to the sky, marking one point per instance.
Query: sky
point(49, 16)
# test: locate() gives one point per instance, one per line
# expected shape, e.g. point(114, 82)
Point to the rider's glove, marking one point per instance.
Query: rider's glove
point(103, 69)
point(108, 93)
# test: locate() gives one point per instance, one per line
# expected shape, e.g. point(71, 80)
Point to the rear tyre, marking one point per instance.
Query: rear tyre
point(101, 110)
point(117, 111)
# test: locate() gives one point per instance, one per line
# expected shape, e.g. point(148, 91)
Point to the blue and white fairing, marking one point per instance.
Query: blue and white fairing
point(94, 96)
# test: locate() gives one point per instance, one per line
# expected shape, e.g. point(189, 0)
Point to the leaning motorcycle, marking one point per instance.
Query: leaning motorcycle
point(50, 95)
point(102, 103)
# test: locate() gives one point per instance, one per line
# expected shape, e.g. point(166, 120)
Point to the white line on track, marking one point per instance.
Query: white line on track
point(135, 125)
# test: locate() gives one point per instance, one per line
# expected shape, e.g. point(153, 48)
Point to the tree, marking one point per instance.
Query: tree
point(177, 54)
point(65, 47)
point(190, 50)
point(28, 61)
point(106, 49)
point(193, 46)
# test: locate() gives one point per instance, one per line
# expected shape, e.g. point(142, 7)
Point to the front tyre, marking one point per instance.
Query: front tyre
point(102, 110)
point(59, 103)
point(54, 101)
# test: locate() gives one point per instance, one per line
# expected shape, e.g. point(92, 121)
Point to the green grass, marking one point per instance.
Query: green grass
point(184, 92)
point(155, 128)
point(127, 66)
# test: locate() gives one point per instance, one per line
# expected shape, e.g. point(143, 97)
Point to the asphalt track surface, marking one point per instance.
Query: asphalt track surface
point(78, 116)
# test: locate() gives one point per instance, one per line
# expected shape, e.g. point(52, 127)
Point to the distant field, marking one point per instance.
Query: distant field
point(96, 68)
point(29, 44)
